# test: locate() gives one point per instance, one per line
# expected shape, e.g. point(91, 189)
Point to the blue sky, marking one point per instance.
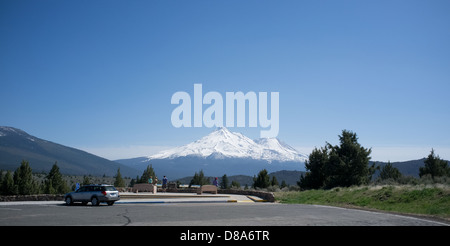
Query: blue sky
point(99, 75)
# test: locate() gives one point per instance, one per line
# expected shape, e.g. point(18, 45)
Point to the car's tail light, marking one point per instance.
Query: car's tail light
point(104, 193)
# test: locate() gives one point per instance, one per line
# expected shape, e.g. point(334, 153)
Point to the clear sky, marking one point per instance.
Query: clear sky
point(99, 75)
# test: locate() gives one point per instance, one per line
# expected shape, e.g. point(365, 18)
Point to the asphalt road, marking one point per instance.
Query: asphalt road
point(201, 214)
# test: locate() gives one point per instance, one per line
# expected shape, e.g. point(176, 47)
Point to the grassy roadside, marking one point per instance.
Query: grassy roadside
point(422, 200)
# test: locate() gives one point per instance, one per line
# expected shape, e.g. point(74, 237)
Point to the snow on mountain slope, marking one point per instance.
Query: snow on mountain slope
point(222, 143)
point(276, 149)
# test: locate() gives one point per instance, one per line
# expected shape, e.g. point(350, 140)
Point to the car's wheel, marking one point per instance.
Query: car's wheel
point(69, 201)
point(110, 203)
point(94, 201)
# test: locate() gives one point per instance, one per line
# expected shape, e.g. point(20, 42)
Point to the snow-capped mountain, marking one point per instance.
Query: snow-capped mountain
point(222, 143)
point(222, 152)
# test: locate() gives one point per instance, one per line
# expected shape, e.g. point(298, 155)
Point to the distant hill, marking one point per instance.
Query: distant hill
point(241, 179)
point(290, 177)
point(407, 168)
point(17, 145)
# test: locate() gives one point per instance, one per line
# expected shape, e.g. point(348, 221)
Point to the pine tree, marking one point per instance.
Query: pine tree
point(274, 181)
point(23, 179)
point(132, 182)
point(48, 187)
point(148, 172)
point(434, 166)
point(7, 185)
point(262, 181)
point(224, 182)
point(348, 163)
point(1, 181)
point(315, 175)
point(235, 184)
point(199, 179)
point(344, 165)
point(119, 182)
point(55, 183)
point(389, 172)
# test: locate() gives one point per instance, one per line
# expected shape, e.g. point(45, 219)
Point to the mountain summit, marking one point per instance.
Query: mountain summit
point(223, 152)
point(222, 143)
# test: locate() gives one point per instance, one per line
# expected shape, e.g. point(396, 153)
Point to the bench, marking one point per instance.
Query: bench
point(207, 188)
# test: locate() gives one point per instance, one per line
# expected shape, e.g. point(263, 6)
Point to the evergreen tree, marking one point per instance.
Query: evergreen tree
point(55, 183)
point(344, 165)
point(315, 175)
point(23, 179)
point(119, 182)
point(148, 172)
point(389, 172)
point(434, 166)
point(224, 182)
point(348, 163)
point(274, 181)
point(86, 180)
point(7, 185)
point(199, 179)
point(235, 184)
point(1, 181)
point(48, 187)
point(262, 181)
point(132, 182)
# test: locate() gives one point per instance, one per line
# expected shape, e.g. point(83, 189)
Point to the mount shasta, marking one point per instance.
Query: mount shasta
point(222, 152)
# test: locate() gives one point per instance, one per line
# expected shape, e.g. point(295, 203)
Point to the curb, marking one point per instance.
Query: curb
point(153, 196)
point(144, 202)
point(256, 199)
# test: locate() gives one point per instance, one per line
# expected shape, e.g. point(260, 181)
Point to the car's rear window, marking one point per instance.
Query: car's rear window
point(110, 188)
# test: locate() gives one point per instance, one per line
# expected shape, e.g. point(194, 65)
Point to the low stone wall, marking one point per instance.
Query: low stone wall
point(267, 196)
point(40, 197)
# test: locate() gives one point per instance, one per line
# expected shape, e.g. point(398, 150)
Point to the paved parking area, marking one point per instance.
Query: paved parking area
point(218, 212)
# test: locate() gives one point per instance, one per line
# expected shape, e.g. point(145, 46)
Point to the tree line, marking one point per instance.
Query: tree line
point(21, 182)
point(200, 179)
point(347, 164)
